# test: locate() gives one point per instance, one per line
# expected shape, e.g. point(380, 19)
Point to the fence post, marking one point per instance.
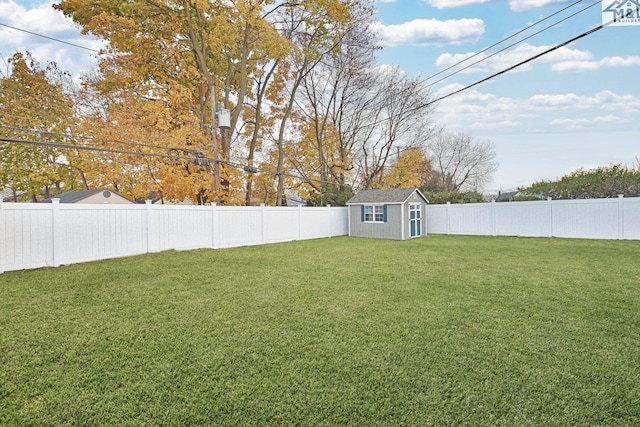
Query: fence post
point(620, 216)
point(55, 232)
point(263, 222)
point(493, 218)
point(550, 203)
point(214, 220)
point(147, 218)
point(329, 222)
point(3, 239)
point(448, 218)
point(299, 222)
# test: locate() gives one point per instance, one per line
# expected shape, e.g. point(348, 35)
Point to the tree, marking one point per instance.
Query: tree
point(398, 116)
point(460, 161)
point(442, 197)
point(315, 30)
point(601, 182)
point(36, 108)
point(191, 55)
point(330, 95)
point(411, 169)
point(330, 194)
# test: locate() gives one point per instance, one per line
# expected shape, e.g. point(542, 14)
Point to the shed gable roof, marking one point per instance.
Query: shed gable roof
point(392, 196)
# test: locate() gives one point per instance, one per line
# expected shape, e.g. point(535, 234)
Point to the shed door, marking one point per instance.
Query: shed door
point(415, 219)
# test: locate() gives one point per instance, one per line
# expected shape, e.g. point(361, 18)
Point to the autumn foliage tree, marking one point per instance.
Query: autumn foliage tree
point(411, 169)
point(309, 109)
point(33, 105)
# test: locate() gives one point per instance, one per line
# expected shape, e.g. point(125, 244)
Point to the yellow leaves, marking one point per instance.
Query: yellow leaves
point(37, 108)
point(411, 169)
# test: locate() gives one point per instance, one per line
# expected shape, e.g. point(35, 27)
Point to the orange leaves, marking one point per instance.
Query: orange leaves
point(35, 106)
point(411, 169)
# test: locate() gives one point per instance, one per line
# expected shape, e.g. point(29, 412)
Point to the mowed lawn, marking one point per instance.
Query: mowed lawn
point(444, 330)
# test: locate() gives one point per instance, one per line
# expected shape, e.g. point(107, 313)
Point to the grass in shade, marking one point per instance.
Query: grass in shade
point(444, 330)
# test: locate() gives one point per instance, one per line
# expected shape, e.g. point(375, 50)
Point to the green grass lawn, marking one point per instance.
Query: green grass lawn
point(444, 330)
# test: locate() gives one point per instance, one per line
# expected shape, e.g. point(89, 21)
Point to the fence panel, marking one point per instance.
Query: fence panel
point(238, 226)
point(51, 234)
point(631, 219)
point(437, 219)
point(338, 222)
point(522, 219)
point(281, 224)
point(592, 219)
point(472, 218)
point(616, 218)
point(26, 237)
point(179, 227)
point(92, 232)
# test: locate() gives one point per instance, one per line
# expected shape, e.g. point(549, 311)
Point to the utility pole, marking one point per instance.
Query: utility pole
point(214, 138)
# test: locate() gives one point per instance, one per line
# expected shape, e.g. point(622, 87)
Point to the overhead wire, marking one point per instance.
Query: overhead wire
point(160, 155)
point(586, 33)
point(260, 170)
point(421, 106)
point(83, 147)
point(508, 38)
point(509, 46)
point(50, 38)
point(88, 138)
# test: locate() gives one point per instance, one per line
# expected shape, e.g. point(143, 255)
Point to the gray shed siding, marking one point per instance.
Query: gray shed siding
point(378, 230)
point(397, 203)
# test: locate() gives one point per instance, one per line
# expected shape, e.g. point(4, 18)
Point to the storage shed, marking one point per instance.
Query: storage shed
point(396, 214)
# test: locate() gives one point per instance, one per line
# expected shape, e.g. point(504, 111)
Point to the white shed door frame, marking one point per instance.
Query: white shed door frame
point(415, 220)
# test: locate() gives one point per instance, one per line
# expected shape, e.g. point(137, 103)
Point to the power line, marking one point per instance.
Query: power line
point(510, 37)
point(598, 28)
point(421, 106)
point(50, 38)
point(507, 47)
point(89, 148)
point(88, 138)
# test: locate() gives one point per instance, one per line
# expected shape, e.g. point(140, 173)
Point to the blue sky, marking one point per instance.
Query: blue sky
point(576, 107)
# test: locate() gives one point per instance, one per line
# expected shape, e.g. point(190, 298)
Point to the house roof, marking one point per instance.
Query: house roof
point(76, 196)
point(6, 193)
point(507, 196)
point(392, 196)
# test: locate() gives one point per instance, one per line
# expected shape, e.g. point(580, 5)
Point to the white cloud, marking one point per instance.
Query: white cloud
point(44, 20)
point(442, 4)
point(430, 31)
point(496, 125)
point(560, 101)
point(486, 62)
point(487, 113)
point(610, 101)
point(609, 119)
point(515, 5)
point(585, 124)
point(521, 5)
point(610, 62)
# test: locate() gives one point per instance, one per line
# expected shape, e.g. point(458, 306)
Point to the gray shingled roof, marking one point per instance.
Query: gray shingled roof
point(395, 195)
point(7, 193)
point(74, 196)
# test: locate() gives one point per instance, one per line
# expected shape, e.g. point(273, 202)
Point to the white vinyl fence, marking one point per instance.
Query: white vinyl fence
point(617, 218)
point(34, 235)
